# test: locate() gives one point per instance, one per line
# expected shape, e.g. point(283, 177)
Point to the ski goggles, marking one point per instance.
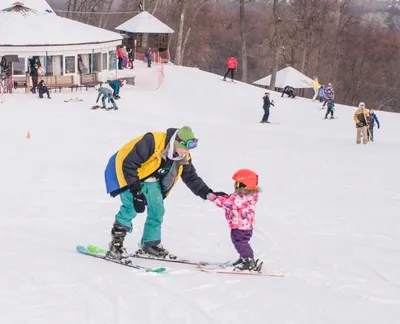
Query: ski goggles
point(189, 144)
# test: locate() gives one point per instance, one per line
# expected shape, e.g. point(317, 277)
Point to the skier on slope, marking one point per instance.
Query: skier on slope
point(232, 64)
point(329, 94)
point(142, 173)
point(267, 104)
point(240, 212)
point(331, 108)
point(106, 94)
point(361, 117)
point(373, 119)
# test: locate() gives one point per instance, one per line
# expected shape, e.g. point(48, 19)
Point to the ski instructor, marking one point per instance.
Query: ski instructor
point(142, 173)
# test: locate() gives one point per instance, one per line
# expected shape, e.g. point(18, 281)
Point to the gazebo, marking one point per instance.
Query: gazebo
point(145, 31)
point(31, 31)
point(287, 76)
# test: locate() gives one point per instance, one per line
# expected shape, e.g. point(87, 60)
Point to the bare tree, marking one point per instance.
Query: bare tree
point(276, 41)
point(243, 41)
point(178, 56)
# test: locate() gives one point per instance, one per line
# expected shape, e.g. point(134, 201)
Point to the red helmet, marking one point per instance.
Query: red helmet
point(248, 177)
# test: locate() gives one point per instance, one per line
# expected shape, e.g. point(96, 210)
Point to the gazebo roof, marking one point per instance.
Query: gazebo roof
point(40, 26)
point(145, 23)
point(288, 76)
point(38, 5)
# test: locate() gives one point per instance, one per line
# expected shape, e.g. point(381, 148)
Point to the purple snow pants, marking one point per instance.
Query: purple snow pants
point(240, 240)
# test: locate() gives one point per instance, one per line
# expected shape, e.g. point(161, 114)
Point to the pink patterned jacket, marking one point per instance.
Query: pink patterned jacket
point(239, 209)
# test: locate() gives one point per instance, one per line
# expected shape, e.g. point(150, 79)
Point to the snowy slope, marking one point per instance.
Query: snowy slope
point(328, 215)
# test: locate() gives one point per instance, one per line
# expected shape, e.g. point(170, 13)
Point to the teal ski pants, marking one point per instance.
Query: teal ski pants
point(155, 212)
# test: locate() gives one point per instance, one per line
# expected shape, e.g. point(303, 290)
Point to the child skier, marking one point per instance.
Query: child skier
point(240, 211)
point(373, 119)
point(331, 108)
point(106, 94)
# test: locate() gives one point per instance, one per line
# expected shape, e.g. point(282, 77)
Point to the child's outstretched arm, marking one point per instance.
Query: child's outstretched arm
point(226, 202)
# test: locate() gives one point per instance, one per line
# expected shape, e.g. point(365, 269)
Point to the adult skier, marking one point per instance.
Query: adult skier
point(316, 87)
point(266, 106)
point(232, 64)
point(106, 94)
point(116, 85)
point(361, 117)
point(373, 119)
point(142, 173)
point(329, 94)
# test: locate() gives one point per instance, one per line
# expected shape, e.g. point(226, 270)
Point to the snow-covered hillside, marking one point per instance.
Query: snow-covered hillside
point(328, 216)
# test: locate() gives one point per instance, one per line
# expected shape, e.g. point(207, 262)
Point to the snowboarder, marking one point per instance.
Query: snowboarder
point(240, 212)
point(142, 173)
point(373, 119)
point(361, 117)
point(147, 55)
point(106, 93)
point(331, 109)
point(266, 106)
point(329, 93)
point(289, 90)
point(42, 89)
point(116, 85)
point(231, 63)
point(316, 87)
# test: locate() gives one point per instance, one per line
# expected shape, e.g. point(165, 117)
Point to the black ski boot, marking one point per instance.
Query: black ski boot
point(248, 264)
point(117, 250)
point(156, 251)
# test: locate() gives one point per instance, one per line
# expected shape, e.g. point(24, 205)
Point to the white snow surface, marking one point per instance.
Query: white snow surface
point(145, 22)
point(328, 216)
point(25, 28)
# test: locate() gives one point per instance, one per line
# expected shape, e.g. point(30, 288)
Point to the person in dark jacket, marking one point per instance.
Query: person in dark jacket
point(35, 76)
point(142, 173)
point(289, 90)
point(331, 109)
point(372, 120)
point(147, 55)
point(266, 106)
point(42, 89)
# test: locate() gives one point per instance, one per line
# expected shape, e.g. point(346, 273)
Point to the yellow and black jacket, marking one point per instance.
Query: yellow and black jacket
point(361, 117)
point(144, 157)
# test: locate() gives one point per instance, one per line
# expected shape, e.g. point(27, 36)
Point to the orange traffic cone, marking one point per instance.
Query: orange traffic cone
point(28, 135)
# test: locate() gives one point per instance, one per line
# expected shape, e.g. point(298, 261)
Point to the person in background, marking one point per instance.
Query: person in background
point(361, 118)
point(35, 77)
point(148, 55)
point(321, 93)
point(116, 85)
point(328, 94)
point(42, 89)
point(131, 58)
point(106, 94)
point(232, 64)
point(288, 90)
point(120, 56)
point(267, 104)
point(331, 109)
point(316, 87)
point(373, 119)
